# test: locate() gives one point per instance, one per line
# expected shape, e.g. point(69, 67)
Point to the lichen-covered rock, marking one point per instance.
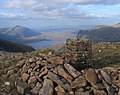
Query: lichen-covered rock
point(47, 88)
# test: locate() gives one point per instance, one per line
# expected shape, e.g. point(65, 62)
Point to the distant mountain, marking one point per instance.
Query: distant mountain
point(14, 47)
point(18, 34)
point(102, 34)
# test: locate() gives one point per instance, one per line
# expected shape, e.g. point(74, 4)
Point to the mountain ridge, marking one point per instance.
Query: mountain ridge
point(8, 46)
point(102, 34)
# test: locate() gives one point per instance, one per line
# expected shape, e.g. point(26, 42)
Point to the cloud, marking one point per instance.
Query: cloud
point(53, 9)
point(106, 2)
point(11, 15)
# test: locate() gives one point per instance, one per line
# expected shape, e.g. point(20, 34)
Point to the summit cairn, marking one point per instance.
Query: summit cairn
point(79, 53)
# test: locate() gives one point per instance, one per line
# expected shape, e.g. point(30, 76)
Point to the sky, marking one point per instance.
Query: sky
point(59, 13)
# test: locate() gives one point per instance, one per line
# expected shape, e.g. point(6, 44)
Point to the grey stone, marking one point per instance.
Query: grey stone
point(72, 70)
point(64, 74)
point(36, 89)
point(22, 87)
point(106, 77)
point(47, 88)
point(57, 80)
point(109, 88)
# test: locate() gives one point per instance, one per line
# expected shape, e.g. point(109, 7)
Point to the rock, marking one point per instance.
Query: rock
point(32, 65)
point(36, 89)
point(106, 77)
point(32, 73)
point(78, 82)
point(79, 93)
point(47, 88)
point(32, 80)
point(36, 67)
point(117, 83)
point(99, 92)
point(57, 80)
point(55, 60)
point(30, 70)
point(91, 76)
point(62, 72)
point(83, 93)
point(10, 72)
point(119, 92)
point(59, 89)
point(50, 66)
point(86, 88)
point(55, 70)
point(99, 86)
point(25, 76)
point(24, 69)
point(7, 83)
point(72, 70)
point(20, 63)
point(22, 87)
point(109, 88)
point(32, 59)
point(80, 89)
point(38, 62)
point(44, 72)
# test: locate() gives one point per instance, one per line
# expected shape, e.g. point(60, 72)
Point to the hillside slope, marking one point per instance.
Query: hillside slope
point(101, 34)
point(14, 47)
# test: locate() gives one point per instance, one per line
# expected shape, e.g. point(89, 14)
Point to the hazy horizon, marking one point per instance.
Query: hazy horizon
point(55, 13)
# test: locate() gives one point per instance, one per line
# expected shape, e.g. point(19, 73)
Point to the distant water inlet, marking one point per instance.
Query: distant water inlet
point(45, 44)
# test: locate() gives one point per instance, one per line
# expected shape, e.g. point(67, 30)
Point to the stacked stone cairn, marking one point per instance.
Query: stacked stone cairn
point(79, 53)
point(50, 74)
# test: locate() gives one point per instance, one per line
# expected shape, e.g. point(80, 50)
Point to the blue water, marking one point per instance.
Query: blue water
point(44, 44)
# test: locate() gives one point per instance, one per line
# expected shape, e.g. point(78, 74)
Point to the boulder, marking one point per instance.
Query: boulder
point(55, 60)
point(36, 89)
point(64, 74)
point(72, 70)
point(47, 88)
point(106, 77)
point(22, 87)
point(91, 76)
point(55, 78)
point(109, 88)
point(79, 82)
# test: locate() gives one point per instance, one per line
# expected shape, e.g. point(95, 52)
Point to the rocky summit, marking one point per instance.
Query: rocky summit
point(51, 73)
